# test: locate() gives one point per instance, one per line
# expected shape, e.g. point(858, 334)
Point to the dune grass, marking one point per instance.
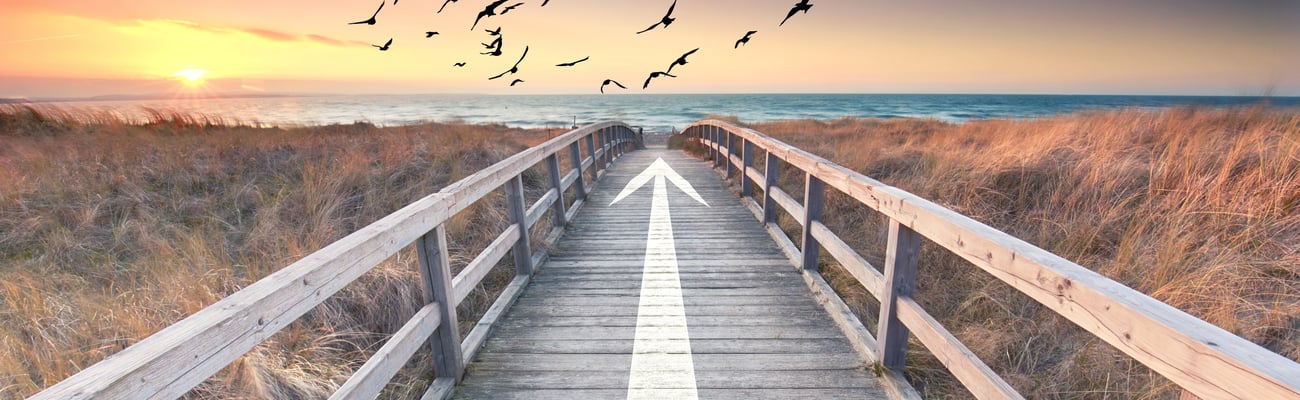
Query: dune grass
point(1199, 208)
point(110, 231)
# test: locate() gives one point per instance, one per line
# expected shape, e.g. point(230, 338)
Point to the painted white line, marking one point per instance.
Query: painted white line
point(662, 366)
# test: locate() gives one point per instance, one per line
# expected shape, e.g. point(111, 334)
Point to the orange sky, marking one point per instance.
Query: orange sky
point(96, 47)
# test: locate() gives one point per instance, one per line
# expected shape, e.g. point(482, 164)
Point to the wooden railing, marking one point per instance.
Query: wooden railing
point(174, 360)
point(1203, 359)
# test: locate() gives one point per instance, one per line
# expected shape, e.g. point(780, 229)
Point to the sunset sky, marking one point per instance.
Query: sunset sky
point(95, 47)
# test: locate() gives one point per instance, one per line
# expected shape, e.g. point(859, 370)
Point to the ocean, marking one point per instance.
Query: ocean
point(655, 113)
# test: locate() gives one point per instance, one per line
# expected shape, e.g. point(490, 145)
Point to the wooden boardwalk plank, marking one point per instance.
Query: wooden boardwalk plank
point(755, 330)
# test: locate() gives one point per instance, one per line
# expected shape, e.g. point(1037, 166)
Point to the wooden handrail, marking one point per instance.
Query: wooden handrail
point(170, 362)
point(1203, 359)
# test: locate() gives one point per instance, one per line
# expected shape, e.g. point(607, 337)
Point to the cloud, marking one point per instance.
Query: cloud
point(335, 42)
point(268, 34)
point(272, 35)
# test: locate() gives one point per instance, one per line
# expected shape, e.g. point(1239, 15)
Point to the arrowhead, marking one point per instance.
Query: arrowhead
point(659, 168)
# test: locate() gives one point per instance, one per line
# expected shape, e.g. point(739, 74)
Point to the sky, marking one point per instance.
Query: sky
point(77, 48)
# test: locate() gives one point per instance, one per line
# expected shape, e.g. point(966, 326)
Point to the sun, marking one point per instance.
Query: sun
point(191, 76)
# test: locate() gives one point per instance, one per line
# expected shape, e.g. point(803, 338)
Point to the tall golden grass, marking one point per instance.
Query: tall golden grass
point(1199, 208)
point(110, 231)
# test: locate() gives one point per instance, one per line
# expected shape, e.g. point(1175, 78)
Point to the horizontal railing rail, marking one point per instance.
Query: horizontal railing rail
point(177, 358)
point(1203, 359)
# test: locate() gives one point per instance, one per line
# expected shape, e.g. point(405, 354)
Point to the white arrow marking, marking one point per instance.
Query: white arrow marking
point(662, 367)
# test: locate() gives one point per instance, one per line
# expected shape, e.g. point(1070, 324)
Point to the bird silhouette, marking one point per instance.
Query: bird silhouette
point(544, 2)
point(429, 34)
point(609, 81)
point(496, 47)
point(667, 20)
point(745, 40)
point(512, 83)
point(802, 5)
point(681, 60)
point(515, 68)
point(570, 64)
point(656, 74)
point(488, 11)
point(459, 64)
point(444, 5)
point(492, 32)
point(510, 7)
point(385, 46)
point(370, 21)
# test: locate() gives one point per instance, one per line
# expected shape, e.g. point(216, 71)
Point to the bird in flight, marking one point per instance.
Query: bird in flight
point(515, 68)
point(494, 47)
point(544, 2)
point(570, 64)
point(444, 5)
point(459, 64)
point(385, 46)
point(488, 11)
point(802, 5)
point(429, 34)
point(653, 75)
point(745, 40)
point(370, 21)
point(609, 81)
point(492, 32)
point(681, 60)
point(667, 20)
point(510, 7)
point(517, 80)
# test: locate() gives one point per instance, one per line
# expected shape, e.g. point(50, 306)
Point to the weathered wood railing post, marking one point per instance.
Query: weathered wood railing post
point(557, 209)
point(519, 215)
point(716, 145)
point(731, 149)
point(772, 171)
point(580, 188)
point(901, 257)
point(435, 272)
point(746, 185)
point(813, 192)
point(604, 149)
point(591, 150)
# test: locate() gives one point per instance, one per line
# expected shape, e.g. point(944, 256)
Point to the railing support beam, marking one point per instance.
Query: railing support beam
point(553, 173)
point(580, 185)
point(435, 272)
point(519, 215)
point(901, 257)
point(813, 193)
point(747, 186)
point(772, 172)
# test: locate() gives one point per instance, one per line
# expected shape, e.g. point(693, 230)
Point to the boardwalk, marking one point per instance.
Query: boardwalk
point(755, 330)
point(663, 286)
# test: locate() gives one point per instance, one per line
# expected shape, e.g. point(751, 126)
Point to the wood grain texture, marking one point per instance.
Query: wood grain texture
point(370, 379)
point(791, 206)
point(754, 326)
point(863, 271)
point(964, 364)
point(1202, 358)
point(473, 274)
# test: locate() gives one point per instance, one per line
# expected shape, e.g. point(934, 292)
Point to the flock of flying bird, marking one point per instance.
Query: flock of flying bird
point(494, 47)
